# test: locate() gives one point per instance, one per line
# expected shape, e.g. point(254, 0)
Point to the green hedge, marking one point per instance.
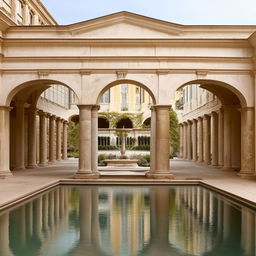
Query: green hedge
point(108, 147)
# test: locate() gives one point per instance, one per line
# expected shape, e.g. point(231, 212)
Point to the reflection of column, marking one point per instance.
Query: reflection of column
point(248, 231)
point(162, 143)
point(227, 163)
point(4, 231)
point(200, 139)
point(58, 138)
point(226, 219)
point(45, 211)
point(206, 134)
point(29, 223)
point(181, 141)
point(94, 137)
point(65, 141)
point(214, 138)
point(32, 137)
point(220, 137)
point(85, 143)
point(5, 142)
point(247, 142)
point(52, 156)
point(194, 140)
point(189, 140)
point(43, 139)
point(38, 214)
point(19, 138)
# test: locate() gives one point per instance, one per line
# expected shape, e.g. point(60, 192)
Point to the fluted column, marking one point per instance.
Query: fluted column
point(200, 139)
point(227, 161)
point(94, 130)
point(220, 137)
point(185, 138)
point(52, 139)
point(32, 137)
point(247, 142)
point(162, 147)
point(85, 143)
point(19, 137)
point(5, 142)
point(181, 140)
point(194, 140)
point(152, 140)
point(214, 138)
point(206, 143)
point(65, 141)
point(189, 140)
point(42, 139)
point(58, 138)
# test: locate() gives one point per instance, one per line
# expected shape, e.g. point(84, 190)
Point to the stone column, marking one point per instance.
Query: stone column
point(220, 137)
point(5, 142)
point(58, 138)
point(227, 161)
point(194, 140)
point(32, 137)
point(52, 139)
point(65, 141)
point(247, 142)
point(200, 139)
point(19, 137)
point(162, 166)
point(185, 137)
point(181, 141)
point(85, 143)
point(206, 134)
point(189, 140)
point(214, 138)
point(94, 137)
point(153, 141)
point(42, 139)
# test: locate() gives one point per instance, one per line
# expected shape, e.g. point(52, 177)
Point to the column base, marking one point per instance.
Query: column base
point(43, 164)
point(161, 175)
point(86, 175)
point(32, 166)
point(5, 174)
point(247, 174)
point(227, 169)
point(52, 162)
point(19, 169)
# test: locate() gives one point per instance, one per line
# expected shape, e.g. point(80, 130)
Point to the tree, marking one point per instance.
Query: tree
point(174, 131)
point(73, 136)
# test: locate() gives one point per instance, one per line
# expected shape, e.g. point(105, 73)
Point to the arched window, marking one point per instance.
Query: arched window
point(124, 123)
point(103, 122)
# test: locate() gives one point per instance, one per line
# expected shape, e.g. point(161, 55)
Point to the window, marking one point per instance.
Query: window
point(105, 98)
point(137, 93)
point(124, 97)
point(31, 17)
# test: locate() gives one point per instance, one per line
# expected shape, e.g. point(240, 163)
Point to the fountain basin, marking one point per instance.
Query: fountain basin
point(122, 163)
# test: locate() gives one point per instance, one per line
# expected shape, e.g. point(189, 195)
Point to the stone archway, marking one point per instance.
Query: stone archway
point(28, 148)
point(219, 134)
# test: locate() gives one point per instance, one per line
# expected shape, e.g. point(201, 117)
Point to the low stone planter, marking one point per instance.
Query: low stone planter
point(122, 162)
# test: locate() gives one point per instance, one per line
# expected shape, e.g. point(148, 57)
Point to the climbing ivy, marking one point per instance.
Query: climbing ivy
point(174, 131)
point(115, 117)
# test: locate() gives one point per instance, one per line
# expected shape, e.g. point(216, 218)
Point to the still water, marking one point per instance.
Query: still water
point(104, 220)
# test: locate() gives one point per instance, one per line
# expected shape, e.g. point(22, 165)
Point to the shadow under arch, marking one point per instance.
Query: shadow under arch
point(227, 94)
point(126, 81)
point(35, 86)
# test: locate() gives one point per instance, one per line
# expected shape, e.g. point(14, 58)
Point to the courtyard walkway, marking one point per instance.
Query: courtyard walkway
point(23, 184)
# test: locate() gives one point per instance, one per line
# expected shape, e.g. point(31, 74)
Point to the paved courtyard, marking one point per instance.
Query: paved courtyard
point(24, 183)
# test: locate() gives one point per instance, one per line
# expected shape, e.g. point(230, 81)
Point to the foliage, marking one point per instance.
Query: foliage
point(107, 147)
point(174, 131)
point(144, 160)
point(142, 147)
point(73, 154)
point(73, 138)
point(102, 157)
point(115, 117)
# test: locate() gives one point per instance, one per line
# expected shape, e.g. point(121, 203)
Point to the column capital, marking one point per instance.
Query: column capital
point(194, 120)
point(214, 113)
point(32, 109)
point(85, 106)
point(65, 121)
point(53, 117)
point(95, 107)
point(42, 113)
point(6, 108)
point(157, 107)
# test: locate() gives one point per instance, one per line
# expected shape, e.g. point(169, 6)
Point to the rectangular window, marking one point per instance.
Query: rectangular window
point(124, 97)
point(105, 98)
point(31, 18)
point(137, 94)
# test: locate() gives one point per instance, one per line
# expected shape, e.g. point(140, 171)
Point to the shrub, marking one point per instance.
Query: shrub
point(107, 147)
point(142, 147)
point(143, 160)
point(102, 157)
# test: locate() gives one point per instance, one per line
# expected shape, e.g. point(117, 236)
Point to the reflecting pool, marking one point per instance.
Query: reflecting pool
point(128, 220)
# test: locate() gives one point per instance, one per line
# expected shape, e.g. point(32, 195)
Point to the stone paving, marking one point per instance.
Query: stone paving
point(27, 182)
